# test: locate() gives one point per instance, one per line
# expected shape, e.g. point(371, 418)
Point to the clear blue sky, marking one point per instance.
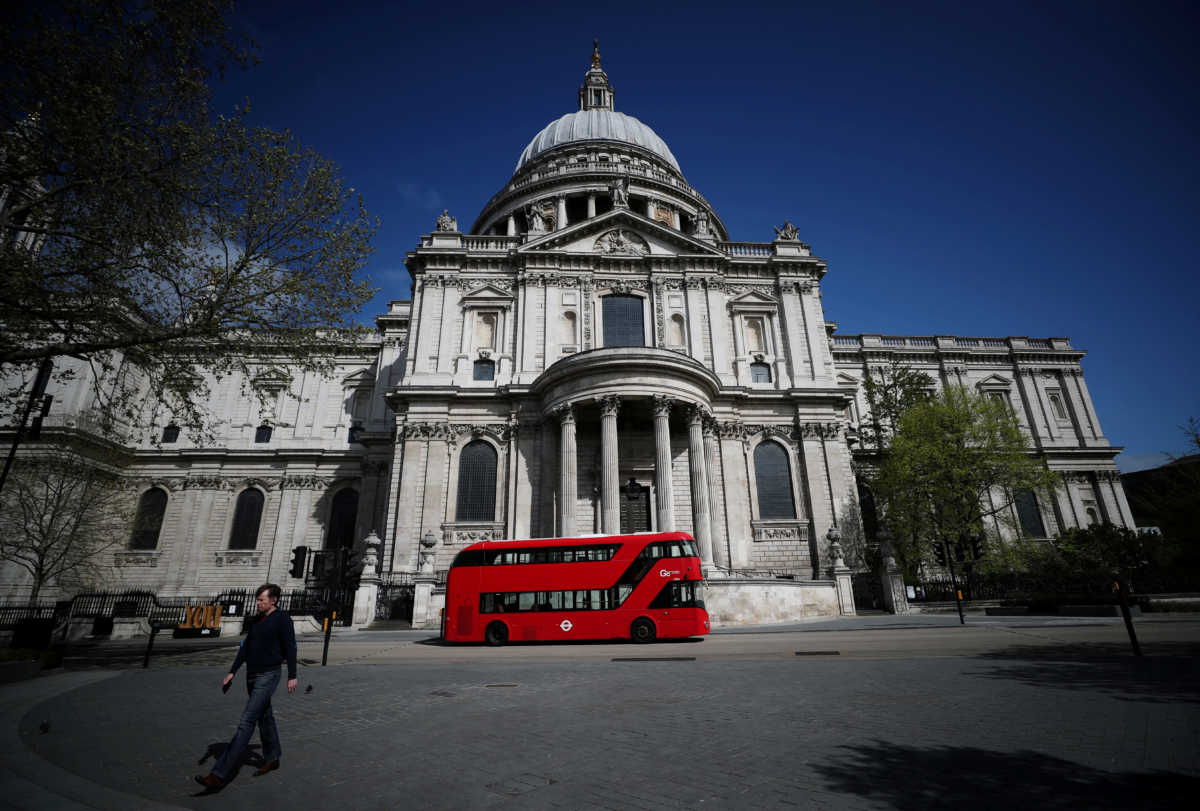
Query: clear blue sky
point(965, 168)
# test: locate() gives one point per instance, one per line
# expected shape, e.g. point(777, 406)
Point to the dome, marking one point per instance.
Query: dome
point(597, 125)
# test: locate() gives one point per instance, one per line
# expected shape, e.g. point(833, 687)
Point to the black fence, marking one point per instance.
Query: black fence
point(1014, 589)
point(102, 607)
point(12, 614)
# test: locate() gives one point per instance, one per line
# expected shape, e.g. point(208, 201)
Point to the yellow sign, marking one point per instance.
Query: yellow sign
point(201, 616)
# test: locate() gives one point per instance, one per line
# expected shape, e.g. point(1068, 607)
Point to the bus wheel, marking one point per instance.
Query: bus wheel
point(496, 634)
point(642, 630)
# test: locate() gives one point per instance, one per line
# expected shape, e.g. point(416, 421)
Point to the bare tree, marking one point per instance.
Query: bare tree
point(58, 514)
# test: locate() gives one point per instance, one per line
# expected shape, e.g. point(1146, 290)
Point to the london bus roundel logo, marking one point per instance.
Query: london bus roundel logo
point(566, 625)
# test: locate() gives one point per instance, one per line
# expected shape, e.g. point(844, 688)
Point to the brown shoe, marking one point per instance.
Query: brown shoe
point(209, 780)
point(269, 766)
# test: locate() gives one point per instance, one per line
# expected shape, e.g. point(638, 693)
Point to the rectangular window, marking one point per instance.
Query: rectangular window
point(262, 434)
point(170, 434)
point(1029, 514)
point(483, 370)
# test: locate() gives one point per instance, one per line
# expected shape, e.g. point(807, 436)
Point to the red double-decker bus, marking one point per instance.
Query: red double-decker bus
point(641, 587)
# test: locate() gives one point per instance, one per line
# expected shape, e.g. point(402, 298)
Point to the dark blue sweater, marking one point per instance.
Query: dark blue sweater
point(270, 640)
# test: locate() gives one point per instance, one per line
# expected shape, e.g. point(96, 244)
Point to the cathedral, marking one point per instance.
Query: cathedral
point(593, 354)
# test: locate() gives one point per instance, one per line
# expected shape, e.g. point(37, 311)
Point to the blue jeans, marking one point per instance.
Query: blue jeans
point(260, 686)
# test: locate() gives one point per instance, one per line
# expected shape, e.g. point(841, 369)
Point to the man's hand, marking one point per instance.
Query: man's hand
point(228, 678)
point(291, 685)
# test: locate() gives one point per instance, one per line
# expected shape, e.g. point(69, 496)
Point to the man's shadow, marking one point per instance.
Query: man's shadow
point(215, 750)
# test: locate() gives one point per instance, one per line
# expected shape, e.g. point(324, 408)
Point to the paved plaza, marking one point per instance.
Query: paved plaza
point(884, 712)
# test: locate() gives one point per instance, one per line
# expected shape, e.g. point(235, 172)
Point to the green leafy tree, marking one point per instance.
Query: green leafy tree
point(890, 390)
point(146, 235)
point(58, 514)
point(954, 463)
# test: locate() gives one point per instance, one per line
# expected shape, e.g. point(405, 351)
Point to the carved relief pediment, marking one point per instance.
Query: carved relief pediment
point(751, 299)
point(486, 294)
point(659, 239)
point(621, 241)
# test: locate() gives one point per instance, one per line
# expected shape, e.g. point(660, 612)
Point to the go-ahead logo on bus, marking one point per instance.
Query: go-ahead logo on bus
point(667, 572)
point(566, 625)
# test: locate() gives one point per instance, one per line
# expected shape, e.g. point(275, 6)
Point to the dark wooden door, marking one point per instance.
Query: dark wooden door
point(635, 509)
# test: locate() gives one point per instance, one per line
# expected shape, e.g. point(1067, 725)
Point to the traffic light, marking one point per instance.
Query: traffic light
point(299, 554)
point(939, 554)
point(35, 425)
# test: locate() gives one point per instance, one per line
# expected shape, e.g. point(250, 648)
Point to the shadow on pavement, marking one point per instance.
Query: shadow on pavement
point(908, 777)
point(1170, 672)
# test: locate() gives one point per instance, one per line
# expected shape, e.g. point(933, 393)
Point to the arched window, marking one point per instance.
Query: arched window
point(148, 522)
point(246, 518)
point(342, 516)
point(774, 479)
point(623, 324)
point(476, 483)
point(1029, 514)
point(760, 373)
point(677, 335)
point(483, 370)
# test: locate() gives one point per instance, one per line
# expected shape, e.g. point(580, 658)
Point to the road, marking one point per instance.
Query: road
point(886, 712)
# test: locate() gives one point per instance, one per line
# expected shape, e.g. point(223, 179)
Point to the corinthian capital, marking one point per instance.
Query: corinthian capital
point(610, 404)
point(662, 405)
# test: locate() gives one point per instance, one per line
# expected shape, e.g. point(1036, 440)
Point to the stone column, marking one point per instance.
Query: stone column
point(649, 208)
point(567, 486)
point(717, 527)
point(512, 226)
point(662, 464)
point(610, 475)
point(591, 206)
point(561, 219)
point(701, 512)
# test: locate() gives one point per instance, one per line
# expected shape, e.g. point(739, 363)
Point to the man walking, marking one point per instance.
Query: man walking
point(271, 640)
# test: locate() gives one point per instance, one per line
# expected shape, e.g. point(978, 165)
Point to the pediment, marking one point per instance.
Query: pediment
point(994, 382)
point(271, 378)
point(359, 379)
point(844, 379)
point(485, 294)
point(621, 233)
point(752, 298)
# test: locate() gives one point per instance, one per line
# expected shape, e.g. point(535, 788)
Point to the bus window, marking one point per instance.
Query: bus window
point(526, 600)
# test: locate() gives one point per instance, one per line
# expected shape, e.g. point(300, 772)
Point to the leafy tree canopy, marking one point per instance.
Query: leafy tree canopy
point(145, 234)
point(955, 462)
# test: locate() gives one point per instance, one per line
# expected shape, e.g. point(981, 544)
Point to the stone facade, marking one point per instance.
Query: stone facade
point(605, 359)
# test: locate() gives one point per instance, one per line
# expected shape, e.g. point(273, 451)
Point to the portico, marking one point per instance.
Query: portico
point(654, 384)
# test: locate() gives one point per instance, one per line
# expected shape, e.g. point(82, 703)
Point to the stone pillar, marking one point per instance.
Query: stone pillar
point(512, 226)
point(368, 584)
point(560, 221)
point(701, 512)
point(610, 474)
point(840, 572)
point(719, 532)
point(591, 210)
point(567, 486)
point(649, 208)
point(662, 464)
point(895, 598)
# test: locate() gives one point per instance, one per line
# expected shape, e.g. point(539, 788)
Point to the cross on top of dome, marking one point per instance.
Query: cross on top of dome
point(596, 93)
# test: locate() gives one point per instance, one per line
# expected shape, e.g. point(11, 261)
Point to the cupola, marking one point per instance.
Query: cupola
point(596, 93)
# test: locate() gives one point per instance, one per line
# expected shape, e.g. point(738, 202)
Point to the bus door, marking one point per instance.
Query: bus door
point(466, 602)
